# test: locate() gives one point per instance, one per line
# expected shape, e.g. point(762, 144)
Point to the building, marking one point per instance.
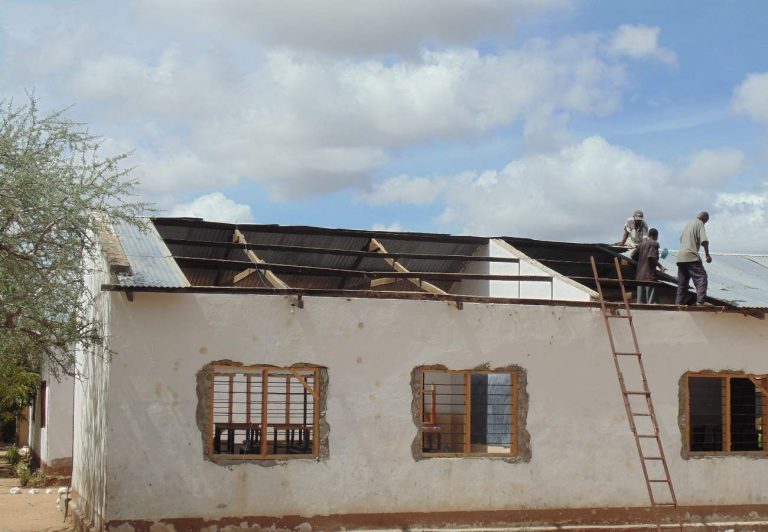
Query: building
point(277, 376)
point(50, 426)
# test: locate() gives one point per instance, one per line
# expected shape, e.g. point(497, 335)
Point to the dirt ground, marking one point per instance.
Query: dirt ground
point(29, 513)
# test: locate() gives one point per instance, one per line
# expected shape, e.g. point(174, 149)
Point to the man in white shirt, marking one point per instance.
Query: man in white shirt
point(689, 264)
point(635, 230)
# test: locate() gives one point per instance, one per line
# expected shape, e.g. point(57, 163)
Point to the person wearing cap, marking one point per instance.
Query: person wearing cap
point(635, 230)
point(689, 263)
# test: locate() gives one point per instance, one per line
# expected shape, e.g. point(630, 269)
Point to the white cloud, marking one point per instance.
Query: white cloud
point(303, 124)
point(583, 192)
point(751, 97)
point(738, 221)
point(640, 42)
point(404, 189)
point(712, 167)
point(395, 227)
point(214, 207)
point(358, 28)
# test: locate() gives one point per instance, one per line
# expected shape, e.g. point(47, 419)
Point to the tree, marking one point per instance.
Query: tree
point(56, 193)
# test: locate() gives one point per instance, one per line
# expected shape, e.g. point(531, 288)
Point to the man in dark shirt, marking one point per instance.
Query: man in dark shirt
point(647, 257)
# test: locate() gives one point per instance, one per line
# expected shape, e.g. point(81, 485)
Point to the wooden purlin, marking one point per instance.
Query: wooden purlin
point(375, 245)
point(273, 279)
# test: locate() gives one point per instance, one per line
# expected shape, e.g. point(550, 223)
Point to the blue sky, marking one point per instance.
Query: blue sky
point(548, 119)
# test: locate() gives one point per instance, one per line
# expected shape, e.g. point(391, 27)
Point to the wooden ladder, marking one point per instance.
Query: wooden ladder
point(661, 492)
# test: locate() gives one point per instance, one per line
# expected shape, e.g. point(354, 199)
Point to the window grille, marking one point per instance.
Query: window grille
point(262, 412)
point(467, 413)
point(726, 413)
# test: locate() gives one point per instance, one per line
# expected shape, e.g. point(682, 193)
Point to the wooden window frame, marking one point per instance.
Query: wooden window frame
point(514, 422)
point(263, 423)
point(761, 384)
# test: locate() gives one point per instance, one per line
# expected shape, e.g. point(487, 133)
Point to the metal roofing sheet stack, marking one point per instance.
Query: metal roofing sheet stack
point(739, 279)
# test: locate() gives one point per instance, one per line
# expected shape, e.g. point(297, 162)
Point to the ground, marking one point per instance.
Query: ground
point(25, 512)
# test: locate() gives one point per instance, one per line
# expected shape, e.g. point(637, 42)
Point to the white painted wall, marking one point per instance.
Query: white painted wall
point(55, 439)
point(582, 451)
point(90, 428)
point(561, 288)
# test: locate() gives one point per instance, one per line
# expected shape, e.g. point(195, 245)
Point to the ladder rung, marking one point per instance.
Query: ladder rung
point(637, 393)
point(617, 316)
point(628, 354)
point(659, 480)
point(640, 414)
point(652, 458)
point(647, 435)
point(608, 280)
point(665, 504)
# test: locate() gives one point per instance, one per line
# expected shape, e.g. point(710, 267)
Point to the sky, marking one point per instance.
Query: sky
point(550, 119)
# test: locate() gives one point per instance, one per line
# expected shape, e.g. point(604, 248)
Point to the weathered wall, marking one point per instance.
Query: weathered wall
point(34, 432)
point(582, 454)
point(53, 443)
point(90, 428)
point(561, 288)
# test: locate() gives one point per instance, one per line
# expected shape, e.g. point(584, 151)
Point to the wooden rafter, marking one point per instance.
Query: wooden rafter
point(375, 245)
point(273, 279)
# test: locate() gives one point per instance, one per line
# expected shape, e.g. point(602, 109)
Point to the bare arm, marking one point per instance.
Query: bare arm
point(705, 245)
point(624, 238)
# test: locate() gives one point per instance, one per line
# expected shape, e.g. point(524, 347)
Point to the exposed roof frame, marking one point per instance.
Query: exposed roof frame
point(343, 252)
point(273, 279)
point(376, 246)
point(294, 269)
point(549, 271)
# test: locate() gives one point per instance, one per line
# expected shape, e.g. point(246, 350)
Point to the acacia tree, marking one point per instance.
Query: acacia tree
point(56, 192)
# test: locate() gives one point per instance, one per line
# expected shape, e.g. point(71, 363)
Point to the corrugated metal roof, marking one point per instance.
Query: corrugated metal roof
point(739, 279)
point(209, 258)
point(151, 261)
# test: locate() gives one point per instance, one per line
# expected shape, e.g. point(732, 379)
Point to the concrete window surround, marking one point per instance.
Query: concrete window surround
point(723, 413)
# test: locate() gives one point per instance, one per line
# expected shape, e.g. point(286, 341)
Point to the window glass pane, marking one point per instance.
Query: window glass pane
point(491, 426)
point(706, 413)
point(443, 412)
point(746, 416)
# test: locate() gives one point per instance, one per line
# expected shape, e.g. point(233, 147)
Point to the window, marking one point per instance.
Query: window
point(726, 413)
point(468, 413)
point(260, 412)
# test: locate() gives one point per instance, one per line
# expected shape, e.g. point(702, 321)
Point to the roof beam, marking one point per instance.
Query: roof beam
point(376, 246)
point(361, 253)
point(273, 279)
point(295, 269)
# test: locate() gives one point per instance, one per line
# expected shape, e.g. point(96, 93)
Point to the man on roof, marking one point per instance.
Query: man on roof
point(689, 264)
point(635, 230)
point(647, 257)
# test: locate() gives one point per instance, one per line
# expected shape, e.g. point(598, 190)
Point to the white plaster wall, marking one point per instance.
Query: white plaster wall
point(560, 288)
point(57, 433)
point(35, 437)
point(582, 451)
point(89, 431)
point(54, 441)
